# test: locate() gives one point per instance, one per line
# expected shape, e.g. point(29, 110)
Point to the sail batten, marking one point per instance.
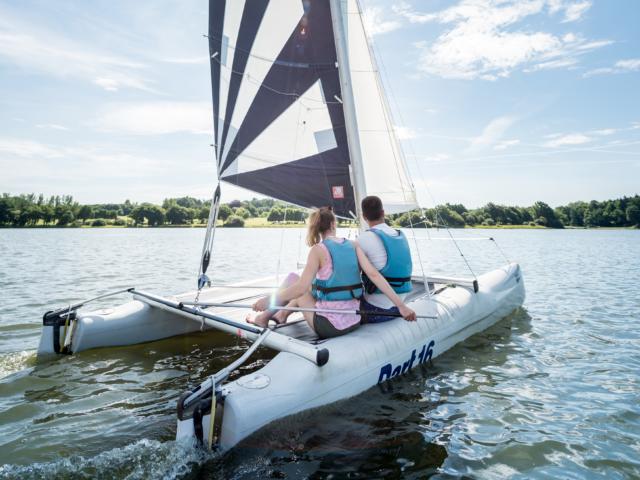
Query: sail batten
point(279, 121)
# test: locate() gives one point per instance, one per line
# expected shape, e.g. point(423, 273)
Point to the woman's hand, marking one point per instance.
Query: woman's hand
point(262, 304)
point(408, 314)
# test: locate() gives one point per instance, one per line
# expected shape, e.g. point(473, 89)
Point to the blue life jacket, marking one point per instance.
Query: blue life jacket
point(345, 282)
point(398, 268)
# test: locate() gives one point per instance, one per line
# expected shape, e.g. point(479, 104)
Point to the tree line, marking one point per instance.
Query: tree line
point(621, 212)
point(36, 210)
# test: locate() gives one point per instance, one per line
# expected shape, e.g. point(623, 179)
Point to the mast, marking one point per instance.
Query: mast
point(349, 107)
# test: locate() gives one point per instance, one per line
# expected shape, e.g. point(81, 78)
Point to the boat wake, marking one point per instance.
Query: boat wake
point(145, 459)
point(15, 361)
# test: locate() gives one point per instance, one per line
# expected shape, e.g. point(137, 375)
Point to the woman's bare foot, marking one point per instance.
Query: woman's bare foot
point(280, 317)
point(260, 320)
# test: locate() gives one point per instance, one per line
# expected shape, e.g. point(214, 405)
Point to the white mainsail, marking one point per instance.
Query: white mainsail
point(384, 167)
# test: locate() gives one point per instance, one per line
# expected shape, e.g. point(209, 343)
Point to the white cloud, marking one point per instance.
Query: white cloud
point(28, 148)
point(39, 160)
point(504, 144)
point(484, 41)
point(375, 23)
point(621, 66)
point(437, 157)
point(41, 50)
point(404, 9)
point(157, 118)
point(491, 133)
point(570, 139)
point(405, 133)
point(187, 60)
point(575, 11)
point(552, 64)
point(630, 65)
point(52, 126)
point(604, 132)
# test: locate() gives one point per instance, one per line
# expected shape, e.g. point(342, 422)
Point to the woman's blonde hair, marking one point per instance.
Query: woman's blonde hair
point(319, 222)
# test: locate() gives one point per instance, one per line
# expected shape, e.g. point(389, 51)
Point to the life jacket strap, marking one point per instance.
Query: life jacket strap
point(342, 288)
point(371, 287)
point(397, 279)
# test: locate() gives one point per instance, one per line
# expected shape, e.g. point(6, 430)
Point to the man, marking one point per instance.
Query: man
point(388, 251)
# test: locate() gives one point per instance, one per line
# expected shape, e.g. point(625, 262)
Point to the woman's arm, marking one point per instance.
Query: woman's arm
point(376, 277)
point(297, 289)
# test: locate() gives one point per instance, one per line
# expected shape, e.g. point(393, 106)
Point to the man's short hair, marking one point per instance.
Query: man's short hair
point(372, 208)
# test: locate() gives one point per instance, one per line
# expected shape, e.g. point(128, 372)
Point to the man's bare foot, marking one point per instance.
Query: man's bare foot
point(260, 320)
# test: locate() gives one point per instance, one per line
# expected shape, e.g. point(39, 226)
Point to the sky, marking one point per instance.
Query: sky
point(505, 101)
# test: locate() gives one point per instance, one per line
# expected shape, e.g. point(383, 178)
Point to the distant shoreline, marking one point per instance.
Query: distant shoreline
point(36, 211)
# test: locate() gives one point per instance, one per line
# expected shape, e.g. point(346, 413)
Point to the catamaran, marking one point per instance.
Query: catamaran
point(300, 115)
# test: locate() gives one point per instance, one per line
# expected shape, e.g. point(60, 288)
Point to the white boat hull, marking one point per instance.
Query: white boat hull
point(372, 354)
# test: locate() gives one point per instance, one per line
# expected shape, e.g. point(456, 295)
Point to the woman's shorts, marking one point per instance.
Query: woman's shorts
point(325, 329)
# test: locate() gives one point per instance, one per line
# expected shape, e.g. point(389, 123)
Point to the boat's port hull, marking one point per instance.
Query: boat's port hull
point(127, 324)
point(358, 361)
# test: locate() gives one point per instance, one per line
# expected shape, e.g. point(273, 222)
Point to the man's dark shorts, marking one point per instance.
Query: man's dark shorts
point(372, 317)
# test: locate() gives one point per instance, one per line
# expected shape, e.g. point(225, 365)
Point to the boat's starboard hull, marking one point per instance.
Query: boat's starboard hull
point(358, 361)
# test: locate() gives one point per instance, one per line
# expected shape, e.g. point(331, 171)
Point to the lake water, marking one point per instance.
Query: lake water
point(553, 391)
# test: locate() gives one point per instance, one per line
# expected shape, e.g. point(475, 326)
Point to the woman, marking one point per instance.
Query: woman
point(330, 281)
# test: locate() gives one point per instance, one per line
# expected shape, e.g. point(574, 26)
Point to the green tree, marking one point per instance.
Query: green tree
point(153, 214)
point(541, 210)
point(633, 215)
point(48, 213)
point(409, 219)
point(66, 217)
point(294, 215)
point(224, 212)
point(275, 215)
point(127, 206)
point(178, 215)
point(450, 217)
point(234, 221)
point(242, 212)
point(6, 205)
point(203, 214)
point(85, 213)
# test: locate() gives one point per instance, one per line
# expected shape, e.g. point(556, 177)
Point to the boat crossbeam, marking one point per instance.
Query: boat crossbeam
point(275, 340)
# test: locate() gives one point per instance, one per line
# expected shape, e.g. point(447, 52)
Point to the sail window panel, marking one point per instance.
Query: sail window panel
point(224, 50)
point(232, 18)
point(325, 140)
point(280, 19)
point(302, 130)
